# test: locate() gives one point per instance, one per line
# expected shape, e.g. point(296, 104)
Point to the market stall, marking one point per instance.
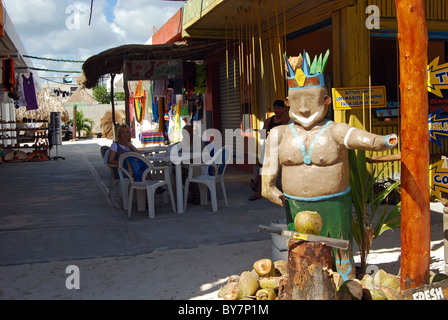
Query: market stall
point(164, 85)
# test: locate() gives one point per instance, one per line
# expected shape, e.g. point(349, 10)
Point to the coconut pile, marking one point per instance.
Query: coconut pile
point(268, 280)
point(261, 283)
point(265, 282)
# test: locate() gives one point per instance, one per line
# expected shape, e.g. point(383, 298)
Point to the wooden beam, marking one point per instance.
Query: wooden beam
point(351, 51)
point(415, 211)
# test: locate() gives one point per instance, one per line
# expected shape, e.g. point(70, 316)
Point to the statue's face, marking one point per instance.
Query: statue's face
point(308, 106)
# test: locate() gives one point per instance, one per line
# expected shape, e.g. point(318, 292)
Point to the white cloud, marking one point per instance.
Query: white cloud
point(48, 28)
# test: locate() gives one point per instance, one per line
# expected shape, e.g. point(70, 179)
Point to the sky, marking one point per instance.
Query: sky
point(60, 29)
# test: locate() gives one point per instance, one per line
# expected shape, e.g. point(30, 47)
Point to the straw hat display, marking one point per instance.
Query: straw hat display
point(106, 122)
point(48, 103)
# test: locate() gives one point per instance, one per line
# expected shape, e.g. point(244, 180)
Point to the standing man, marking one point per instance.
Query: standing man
point(279, 118)
point(312, 154)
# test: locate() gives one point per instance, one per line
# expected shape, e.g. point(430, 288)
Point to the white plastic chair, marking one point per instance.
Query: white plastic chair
point(125, 165)
point(113, 183)
point(212, 173)
point(114, 191)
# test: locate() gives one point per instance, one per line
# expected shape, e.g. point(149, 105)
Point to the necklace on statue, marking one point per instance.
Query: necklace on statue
point(307, 155)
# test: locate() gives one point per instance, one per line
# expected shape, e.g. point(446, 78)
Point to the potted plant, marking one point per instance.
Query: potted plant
point(367, 204)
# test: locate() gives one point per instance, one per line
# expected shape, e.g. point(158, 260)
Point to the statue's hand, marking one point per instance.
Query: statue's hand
point(391, 140)
point(274, 195)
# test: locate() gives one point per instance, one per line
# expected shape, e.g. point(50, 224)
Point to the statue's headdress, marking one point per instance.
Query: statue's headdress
point(303, 74)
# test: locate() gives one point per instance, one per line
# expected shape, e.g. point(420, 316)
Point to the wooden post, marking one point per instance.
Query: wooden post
point(308, 278)
point(75, 107)
point(126, 93)
point(112, 102)
point(415, 216)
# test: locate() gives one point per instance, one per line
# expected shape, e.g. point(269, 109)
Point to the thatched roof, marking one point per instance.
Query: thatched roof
point(47, 102)
point(111, 61)
point(81, 96)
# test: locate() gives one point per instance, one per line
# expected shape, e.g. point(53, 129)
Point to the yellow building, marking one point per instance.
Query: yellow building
point(362, 38)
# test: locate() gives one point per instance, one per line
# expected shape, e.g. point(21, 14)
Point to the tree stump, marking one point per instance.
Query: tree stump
point(309, 267)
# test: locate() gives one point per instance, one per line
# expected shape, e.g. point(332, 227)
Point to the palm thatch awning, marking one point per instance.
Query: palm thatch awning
point(48, 103)
point(81, 96)
point(111, 61)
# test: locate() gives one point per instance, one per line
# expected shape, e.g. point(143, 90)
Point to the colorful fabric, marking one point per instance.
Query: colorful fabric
point(200, 79)
point(30, 92)
point(198, 108)
point(189, 76)
point(8, 74)
point(152, 138)
point(137, 168)
point(140, 101)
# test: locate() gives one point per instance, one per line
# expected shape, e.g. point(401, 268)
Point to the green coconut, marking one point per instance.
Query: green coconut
point(269, 283)
point(390, 293)
point(308, 222)
point(392, 282)
point(248, 283)
point(350, 289)
point(230, 291)
point(233, 278)
point(438, 277)
point(264, 268)
point(380, 276)
point(281, 267)
point(266, 294)
point(367, 281)
point(377, 294)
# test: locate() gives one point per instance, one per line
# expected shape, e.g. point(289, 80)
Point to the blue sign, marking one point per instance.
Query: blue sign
point(438, 127)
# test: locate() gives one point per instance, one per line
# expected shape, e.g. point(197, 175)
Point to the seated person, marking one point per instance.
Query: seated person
point(122, 144)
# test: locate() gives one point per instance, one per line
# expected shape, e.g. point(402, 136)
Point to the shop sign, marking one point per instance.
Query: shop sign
point(437, 77)
point(438, 177)
point(438, 127)
point(353, 98)
point(154, 69)
point(433, 291)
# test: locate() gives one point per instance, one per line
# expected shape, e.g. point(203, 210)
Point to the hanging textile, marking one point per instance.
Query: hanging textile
point(178, 86)
point(150, 100)
point(189, 76)
point(8, 74)
point(198, 108)
point(21, 102)
point(155, 110)
point(139, 101)
point(200, 79)
point(30, 92)
point(160, 87)
point(177, 127)
point(160, 112)
point(131, 104)
point(170, 101)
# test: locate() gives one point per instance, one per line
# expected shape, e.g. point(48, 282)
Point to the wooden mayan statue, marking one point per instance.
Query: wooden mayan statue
point(312, 155)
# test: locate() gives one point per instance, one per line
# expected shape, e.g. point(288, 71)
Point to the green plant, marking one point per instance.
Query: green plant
point(367, 203)
point(83, 123)
point(102, 96)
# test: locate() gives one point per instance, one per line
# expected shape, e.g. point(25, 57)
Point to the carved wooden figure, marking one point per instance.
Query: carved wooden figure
point(312, 154)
